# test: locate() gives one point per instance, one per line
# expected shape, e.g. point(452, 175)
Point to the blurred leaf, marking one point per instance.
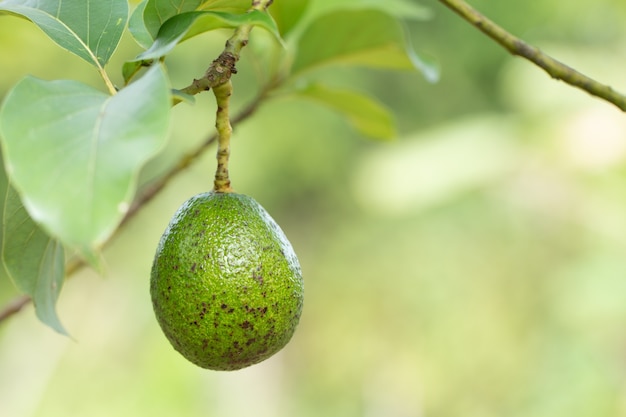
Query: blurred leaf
point(187, 25)
point(369, 38)
point(137, 27)
point(287, 13)
point(74, 152)
point(366, 115)
point(401, 9)
point(34, 261)
point(90, 29)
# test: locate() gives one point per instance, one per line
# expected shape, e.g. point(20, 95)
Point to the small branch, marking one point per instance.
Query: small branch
point(224, 131)
point(14, 306)
point(516, 46)
point(223, 67)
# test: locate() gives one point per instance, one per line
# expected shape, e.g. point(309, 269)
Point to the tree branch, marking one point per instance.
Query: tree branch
point(553, 67)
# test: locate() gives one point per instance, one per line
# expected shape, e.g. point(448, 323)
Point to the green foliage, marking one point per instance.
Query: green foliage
point(364, 114)
point(90, 29)
point(186, 25)
point(80, 180)
point(73, 152)
point(33, 260)
point(368, 38)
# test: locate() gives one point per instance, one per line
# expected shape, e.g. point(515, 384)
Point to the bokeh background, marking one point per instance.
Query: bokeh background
point(474, 267)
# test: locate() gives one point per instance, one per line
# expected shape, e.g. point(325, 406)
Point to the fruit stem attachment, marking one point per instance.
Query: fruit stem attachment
point(222, 94)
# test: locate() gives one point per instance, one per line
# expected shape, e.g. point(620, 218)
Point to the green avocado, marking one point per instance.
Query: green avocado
point(226, 285)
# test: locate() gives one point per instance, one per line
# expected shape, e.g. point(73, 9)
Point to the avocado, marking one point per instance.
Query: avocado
point(226, 285)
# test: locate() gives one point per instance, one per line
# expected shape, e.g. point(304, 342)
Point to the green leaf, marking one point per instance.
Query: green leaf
point(230, 6)
point(90, 29)
point(288, 13)
point(157, 12)
point(137, 27)
point(187, 25)
point(74, 152)
point(401, 9)
point(366, 115)
point(34, 261)
point(131, 68)
point(369, 38)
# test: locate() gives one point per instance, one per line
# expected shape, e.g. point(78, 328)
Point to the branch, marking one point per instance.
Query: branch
point(223, 67)
point(516, 46)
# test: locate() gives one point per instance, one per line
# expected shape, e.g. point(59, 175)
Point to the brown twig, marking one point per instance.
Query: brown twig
point(553, 67)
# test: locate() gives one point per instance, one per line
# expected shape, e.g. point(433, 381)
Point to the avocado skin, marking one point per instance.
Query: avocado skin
point(226, 285)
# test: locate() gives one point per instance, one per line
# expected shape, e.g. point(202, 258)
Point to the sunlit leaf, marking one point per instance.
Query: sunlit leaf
point(34, 261)
point(187, 25)
point(288, 13)
point(366, 115)
point(90, 29)
point(74, 152)
point(369, 38)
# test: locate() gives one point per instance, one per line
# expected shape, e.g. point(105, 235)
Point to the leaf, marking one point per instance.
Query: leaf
point(157, 12)
point(74, 152)
point(187, 25)
point(401, 9)
point(90, 29)
point(366, 115)
point(34, 261)
point(287, 14)
point(369, 38)
point(137, 27)
point(230, 6)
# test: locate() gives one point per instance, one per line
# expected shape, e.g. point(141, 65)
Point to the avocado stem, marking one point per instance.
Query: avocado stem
point(222, 94)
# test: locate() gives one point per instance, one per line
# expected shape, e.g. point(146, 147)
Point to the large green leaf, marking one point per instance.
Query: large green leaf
point(74, 152)
point(157, 12)
point(90, 29)
point(369, 38)
point(366, 115)
point(187, 25)
point(34, 261)
point(288, 13)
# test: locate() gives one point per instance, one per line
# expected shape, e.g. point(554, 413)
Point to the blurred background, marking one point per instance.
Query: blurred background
point(475, 267)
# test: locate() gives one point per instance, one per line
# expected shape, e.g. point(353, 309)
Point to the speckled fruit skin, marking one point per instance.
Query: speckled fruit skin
point(226, 285)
